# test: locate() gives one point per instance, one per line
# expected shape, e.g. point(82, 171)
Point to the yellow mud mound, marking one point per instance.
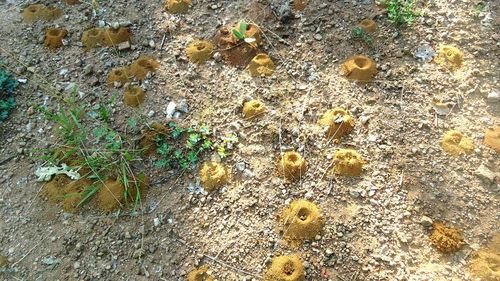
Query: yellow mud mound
point(147, 141)
point(449, 57)
point(300, 5)
point(54, 190)
point(74, 194)
point(454, 143)
point(199, 51)
point(486, 262)
point(368, 25)
point(37, 12)
point(253, 108)
point(92, 38)
point(492, 138)
point(112, 194)
point(359, 68)
point(72, 2)
point(348, 162)
point(300, 221)
point(213, 175)
point(134, 96)
point(112, 37)
point(118, 74)
point(200, 274)
point(292, 165)
point(285, 268)
point(446, 239)
point(142, 66)
point(339, 121)
point(53, 37)
point(177, 6)
point(261, 65)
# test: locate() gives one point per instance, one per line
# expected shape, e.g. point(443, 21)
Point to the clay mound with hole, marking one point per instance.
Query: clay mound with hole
point(74, 193)
point(339, 122)
point(38, 12)
point(234, 52)
point(292, 165)
point(142, 66)
point(177, 6)
point(359, 68)
point(455, 143)
point(134, 96)
point(300, 221)
point(300, 5)
point(112, 37)
point(492, 138)
point(485, 263)
point(92, 38)
point(449, 56)
point(446, 239)
point(119, 75)
point(113, 196)
point(213, 175)
point(285, 268)
point(54, 190)
point(261, 65)
point(368, 25)
point(53, 37)
point(348, 162)
point(253, 108)
point(199, 51)
point(200, 274)
point(147, 141)
point(72, 2)
point(52, 13)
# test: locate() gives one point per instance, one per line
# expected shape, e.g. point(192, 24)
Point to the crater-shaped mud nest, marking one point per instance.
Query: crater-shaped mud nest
point(285, 268)
point(92, 38)
point(118, 75)
point(111, 37)
point(253, 108)
point(113, 194)
point(142, 66)
point(292, 165)
point(38, 12)
point(200, 274)
point(134, 96)
point(368, 25)
point(199, 51)
point(449, 56)
point(72, 2)
point(359, 68)
point(339, 121)
point(300, 221)
point(455, 143)
point(485, 263)
point(348, 162)
point(177, 6)
point(53, 37)
point(236, 52)
point(446, 239)
point(261, 65)
point(492, 138)
point(213, 175)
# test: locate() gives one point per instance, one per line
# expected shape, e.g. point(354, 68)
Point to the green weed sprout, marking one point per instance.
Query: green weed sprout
point(401, 12)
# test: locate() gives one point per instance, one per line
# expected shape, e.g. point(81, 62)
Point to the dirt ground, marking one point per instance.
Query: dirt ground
point(376, 225)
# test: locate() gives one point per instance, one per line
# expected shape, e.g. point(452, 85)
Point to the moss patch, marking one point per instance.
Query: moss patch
point(454, 143)
point(359, 68)
point(292, 165)
point(446, 239)
point(348, 162)
point(213, 175)
point(285, 268)
point(300, 221)
point(486, 262)
point(339, 121)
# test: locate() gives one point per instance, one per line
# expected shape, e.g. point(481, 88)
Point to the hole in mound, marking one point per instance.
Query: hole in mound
point(213, 170)
point(256, 105)
point(118, 73)
point(360, 62)
point(54, 32)
point(288, 268)
point(200, 47)
point(292, 158)
point(94, 32)
point(303, 214)
point(33, 9)
point(144, 63)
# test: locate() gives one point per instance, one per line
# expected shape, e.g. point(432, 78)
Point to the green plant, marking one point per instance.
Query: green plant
point(7, 87)
point(240, 31)
point(401, 12)
point(359, 33)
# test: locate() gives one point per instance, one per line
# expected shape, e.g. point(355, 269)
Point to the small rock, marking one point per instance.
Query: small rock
point(63, 71)
point(170, 109)
point(88, 69)
point(240, 166)
point(485, 174)
point(182, 106)
point(76, 265)
point(156, 222)
point(426, 221)
point(318, 36)
point(493, 97)
point(124, 46)
point(151, 113)
point(115, 25)
point(139, 253)
point(152, 43)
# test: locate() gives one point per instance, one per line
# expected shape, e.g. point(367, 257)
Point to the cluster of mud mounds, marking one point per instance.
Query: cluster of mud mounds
point(485, 263)
point(339, 121)
point(54, 37)
point(134, 96)
point(455, 143)
point(449, 57)
point(213, 175)
point(38, 12)
point(118, 76)
point(285, 268)
point(177, 6)
point(348, 162)
point(199, 51)
point(300, 221)
point(446, 239)
point(200, 274)
point(253, 109)
point(292, 165)
point(141, 67)
point(368, 25)
point(108, 37)
point(359, 68)
point(492, 138)
point(261, 65)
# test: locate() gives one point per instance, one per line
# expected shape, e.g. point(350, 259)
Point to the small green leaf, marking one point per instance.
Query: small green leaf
point(237, 34)
point(243, 28)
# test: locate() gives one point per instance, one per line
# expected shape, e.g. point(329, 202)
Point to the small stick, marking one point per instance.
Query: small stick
point(29, 252)
point(163, 41)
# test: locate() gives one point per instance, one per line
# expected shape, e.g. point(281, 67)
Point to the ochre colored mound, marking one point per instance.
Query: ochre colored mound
point(339, 121)
point(53, 37)
point(368, 25)
point(359, 68)
point(449, 57)
point(261, 65)
point(177, 6)
point(52, 13)
point(213, 175)
point(446, 239)
point(292, 166)
point(253, 31)
point(233, 51)
point(300, 221)
point(72, 2)
point(92, 38)
point(147, 141)
point(113, 195)
point(200, 274)
point(348, 162)
point(300, 5)
point(199, 51)
point(74, 194)
point(486, 262)
point(37, 12)
point(134, 96)
point(285, 268)
point(54, 190)
point(142, 66)
point(112, 37)
point(454, 143)
point(492, 138)
point(119, 74)
point(253, 108)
